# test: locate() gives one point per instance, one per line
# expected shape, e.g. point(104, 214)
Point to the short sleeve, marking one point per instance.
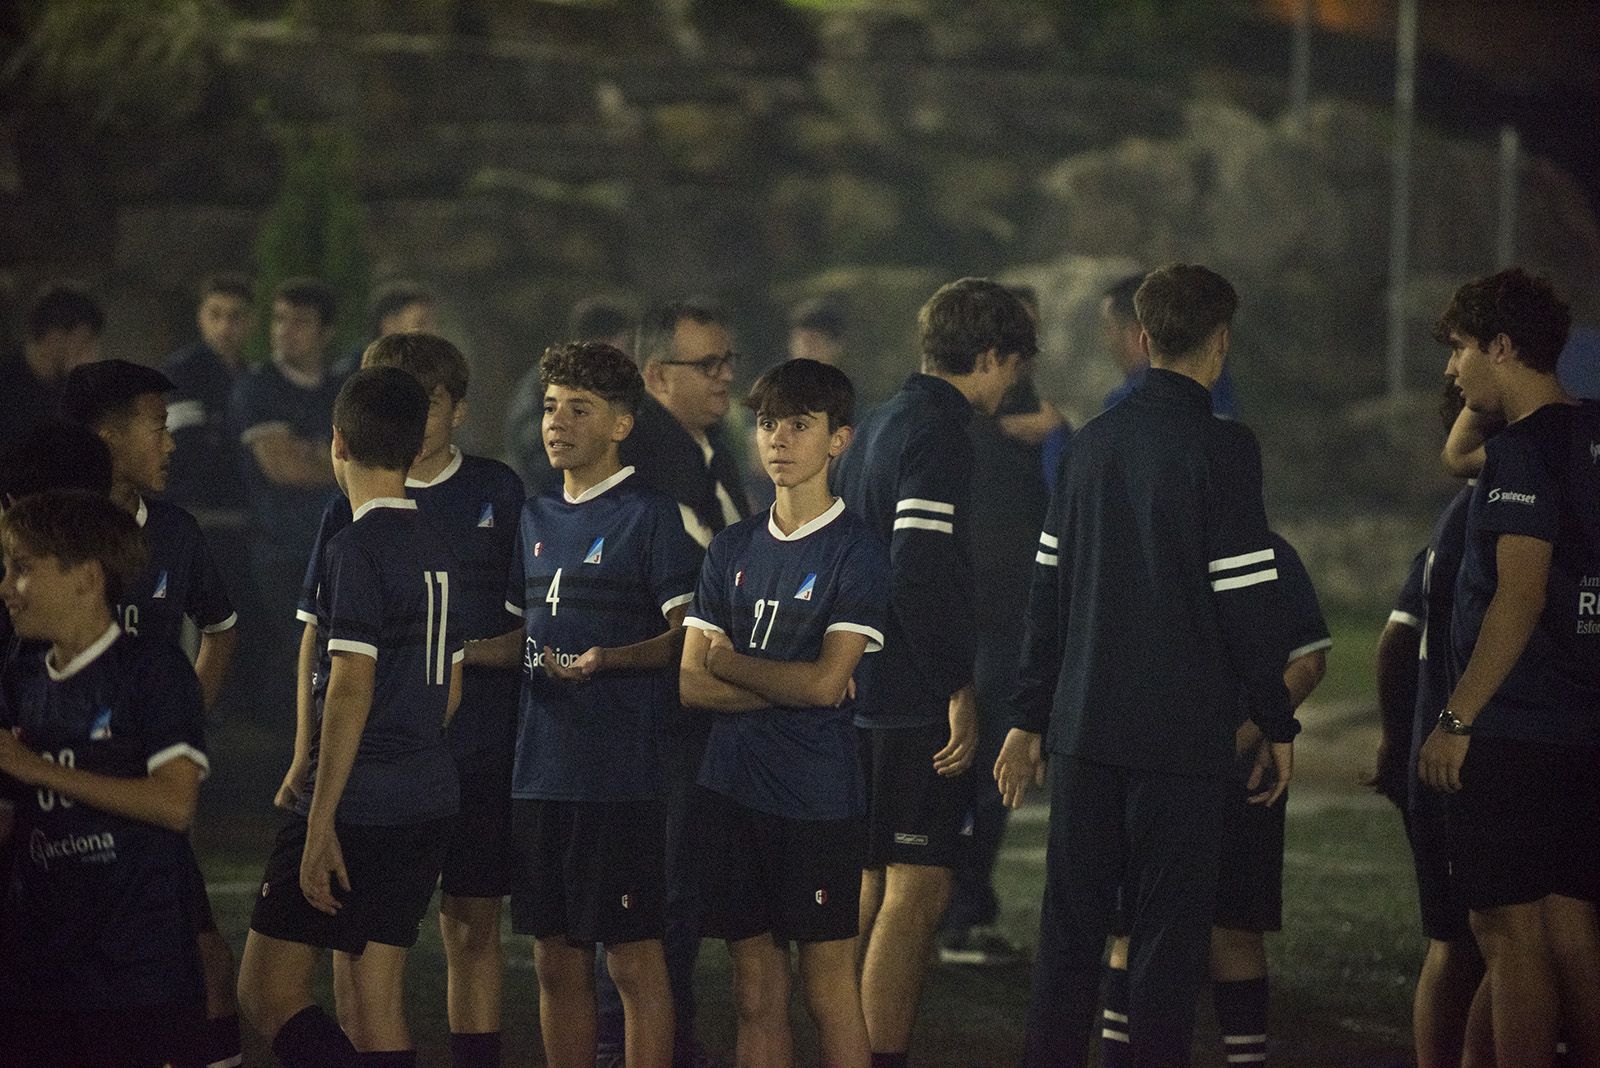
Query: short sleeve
point(335, 517)
point(862, 603)
point(170, 709)
point(1305, 631)
point(1411, 607)
point(354, 600)
point(516, 579)
point(712, 610)
point(209, 604)
point(674, 560)
point(1522, 493)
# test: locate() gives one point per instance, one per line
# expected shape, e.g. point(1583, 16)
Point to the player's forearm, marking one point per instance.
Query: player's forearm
point(165, 798)
point(294, 462)
point(304, 701)
point(1397, 680)
point(652, 654)
point(698, 688)
point(1507, 625)
point(795, 683)
point(212, 662)
point(344, 716)
point(1303, 674)
point(1463, 452)
point(503, 651)
point(1032, 427)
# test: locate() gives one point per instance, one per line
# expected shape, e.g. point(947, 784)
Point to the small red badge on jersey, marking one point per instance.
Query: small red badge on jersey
point(822, 897)
point(627, 901)
point(538, 547)
point(738, 577)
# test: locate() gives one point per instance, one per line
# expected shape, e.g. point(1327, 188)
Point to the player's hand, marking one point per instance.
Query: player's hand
point(321, 863)
point(16, 759)
point(289, 792)
point(1389, 777)
point(850, 689)
point(1278, 757)
point(1439, 763)
point(1246, 739)
point(957, 754)
point(579, 670)
point(1020, 765)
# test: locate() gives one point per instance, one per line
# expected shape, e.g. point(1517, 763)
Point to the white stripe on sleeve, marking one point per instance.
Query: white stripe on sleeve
point(912, 522)
point(1405, 619)
point(1228, 563)
point(922, 504)
point(1049, 541)
point(1047, 559)
point(1238, 581)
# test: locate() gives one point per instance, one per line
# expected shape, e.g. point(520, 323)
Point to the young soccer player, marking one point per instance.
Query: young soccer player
point(101, 754)
point(603, 575)
point(787, 604)
point(474, 501)
point(355, 865)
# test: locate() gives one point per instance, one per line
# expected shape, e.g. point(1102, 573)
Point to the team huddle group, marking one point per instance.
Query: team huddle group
point(646, 720)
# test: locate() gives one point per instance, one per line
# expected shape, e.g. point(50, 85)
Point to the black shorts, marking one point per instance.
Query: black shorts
point(148, 1036)
point(393, 872)
point(914, 814)
point(479, 861)
point(800, 880)
point(590, 871)
point(1444, 916)
point(1250, 875)
point(1525, 822)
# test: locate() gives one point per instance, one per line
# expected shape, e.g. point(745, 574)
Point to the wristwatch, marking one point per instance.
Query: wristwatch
point(1451, 723)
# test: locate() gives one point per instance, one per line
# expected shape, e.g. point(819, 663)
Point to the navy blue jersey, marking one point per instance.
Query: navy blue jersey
point(205, 464)
point(1303, 630)
point(600, 569)
point(181, 580)
point(1436, 670)
point(775, 596)
point(284, 516)
point(97, 915)
point(908, 476)
point(387, 593)
point(474, 503)
point(1540, 479)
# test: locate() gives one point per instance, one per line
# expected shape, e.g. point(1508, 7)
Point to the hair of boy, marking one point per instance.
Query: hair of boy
point(1181, 305)
point(825, 315)
point(76, 526)
point(310, 293)
point(381, 413)
point(97, 394)
point(596, 367)
point(397, 296)
point(968, 317)
point(227, 284)
point(598, 317)
point(55, 455)
point(428, 358)
point(1516, 304)
point(1121, 293)
point(799, 387)
point(659, 325)
point(64, 305)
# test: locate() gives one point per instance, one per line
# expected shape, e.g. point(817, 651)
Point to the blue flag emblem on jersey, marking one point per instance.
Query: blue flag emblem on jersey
point(595, 551)
point(161, 585)
point(804, 592)
point(486, 517)
point(101, 730)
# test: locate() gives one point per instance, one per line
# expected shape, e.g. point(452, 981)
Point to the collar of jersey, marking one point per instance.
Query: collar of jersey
point(834, 511)
point(598, 488)
point(85, 658)
point(142, 514)
point(443, 476)
point(1158, 381)
point(384, 502)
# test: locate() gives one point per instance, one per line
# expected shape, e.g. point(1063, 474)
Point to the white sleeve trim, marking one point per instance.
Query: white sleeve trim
point(1228, 563)
point(181, 415)
point(1406, 619)
point(700, 624)
point(457, 656)
point(1047, 559)
point(1238, 581)
point(514, 609)
point(1309, 648)
point(229, 623)
point(874, 636)
point(305, 617)
point(674, 602)
point(911, 522)
point(922, 504)
point(173, 752)
point(349, 645)
point(1049, 541)
point(251, 434)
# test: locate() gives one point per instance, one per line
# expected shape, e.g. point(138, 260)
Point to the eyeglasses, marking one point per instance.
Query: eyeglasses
point(710, 366)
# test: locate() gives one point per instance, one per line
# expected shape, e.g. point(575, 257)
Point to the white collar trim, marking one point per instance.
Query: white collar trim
point(83, 659)
point(384, 502)
point(142, 514)
point(834, 511)
point(598, 488)
point(443, 476)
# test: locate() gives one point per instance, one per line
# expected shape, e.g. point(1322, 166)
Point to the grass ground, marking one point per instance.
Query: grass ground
point(1342, 968)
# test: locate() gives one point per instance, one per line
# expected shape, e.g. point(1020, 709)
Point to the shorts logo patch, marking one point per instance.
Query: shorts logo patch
point(804, 592)
point(627, 901)
point(538, 548)
point(595, 551)
point(486, 517)
point(902, 838)
point(822, 897)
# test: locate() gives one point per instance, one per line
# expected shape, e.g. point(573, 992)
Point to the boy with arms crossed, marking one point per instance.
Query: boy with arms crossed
point(787, 604)
point(355, 866)
point(474, 502)
point(102, 756)
point(606, 561)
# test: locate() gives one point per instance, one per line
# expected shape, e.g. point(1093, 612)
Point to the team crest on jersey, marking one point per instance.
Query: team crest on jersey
point(738, 577)
point(804, 592)
point(100, 731)
point(486, 517)
point(161, 586)
point(595, 551)
point(538, 548)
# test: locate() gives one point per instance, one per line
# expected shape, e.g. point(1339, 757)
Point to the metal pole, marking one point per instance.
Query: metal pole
point(1300, 72)
point(1505, 246)
point(1400, 205)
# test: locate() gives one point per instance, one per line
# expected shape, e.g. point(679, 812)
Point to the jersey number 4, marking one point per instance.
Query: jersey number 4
point(552, 596)
point(435, 664)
